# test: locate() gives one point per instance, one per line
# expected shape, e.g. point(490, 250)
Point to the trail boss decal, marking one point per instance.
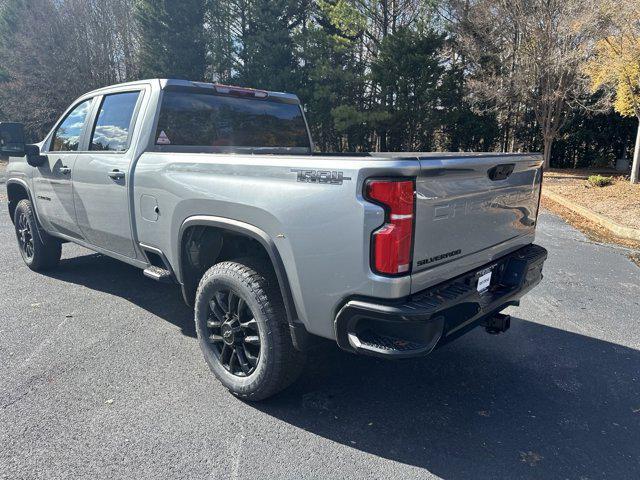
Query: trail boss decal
point(331, 177)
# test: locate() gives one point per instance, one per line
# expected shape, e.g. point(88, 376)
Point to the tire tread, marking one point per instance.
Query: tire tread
point(47, 249)
point(263, 286)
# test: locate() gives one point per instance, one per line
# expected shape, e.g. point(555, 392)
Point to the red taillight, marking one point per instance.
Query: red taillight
point(392, 242)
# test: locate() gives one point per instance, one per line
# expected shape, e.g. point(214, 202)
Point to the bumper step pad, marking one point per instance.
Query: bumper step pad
point(417, 324)
point(372, 339)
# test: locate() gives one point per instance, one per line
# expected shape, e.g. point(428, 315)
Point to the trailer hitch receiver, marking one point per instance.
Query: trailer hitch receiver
point(499, 323)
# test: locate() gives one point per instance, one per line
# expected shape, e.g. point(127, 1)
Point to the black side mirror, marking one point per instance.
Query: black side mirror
point(33, 156)
point(12, 139)
point(12, 144)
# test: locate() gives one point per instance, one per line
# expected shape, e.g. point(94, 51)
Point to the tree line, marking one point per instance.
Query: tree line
point(374, 75)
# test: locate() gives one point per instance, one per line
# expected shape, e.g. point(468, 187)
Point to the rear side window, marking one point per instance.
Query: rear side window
point(111, 131)
point(205, 120)
point(67, 136)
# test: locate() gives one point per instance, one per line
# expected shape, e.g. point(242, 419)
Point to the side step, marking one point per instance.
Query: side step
point(158, 274)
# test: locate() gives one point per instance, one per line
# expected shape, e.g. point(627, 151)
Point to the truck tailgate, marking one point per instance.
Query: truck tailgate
point(471, 209)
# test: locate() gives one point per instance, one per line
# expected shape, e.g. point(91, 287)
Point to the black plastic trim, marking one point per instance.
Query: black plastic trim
point(298, 330)
point(34, 207)
point(149, 249)
point(454, 307)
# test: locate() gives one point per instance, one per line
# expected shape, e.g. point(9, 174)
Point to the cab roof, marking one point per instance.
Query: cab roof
point(176, 84)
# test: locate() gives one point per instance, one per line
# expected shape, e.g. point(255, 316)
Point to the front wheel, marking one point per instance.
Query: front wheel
point(243, 331)
point(39, 250)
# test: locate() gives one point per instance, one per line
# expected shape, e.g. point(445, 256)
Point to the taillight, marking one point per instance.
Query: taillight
point(391, 243)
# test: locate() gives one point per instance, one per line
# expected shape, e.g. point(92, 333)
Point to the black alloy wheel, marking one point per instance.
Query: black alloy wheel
point(25, 235)
point(242, 329)
point(233, 332)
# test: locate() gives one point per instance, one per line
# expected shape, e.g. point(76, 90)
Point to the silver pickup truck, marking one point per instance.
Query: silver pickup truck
point(219, 189)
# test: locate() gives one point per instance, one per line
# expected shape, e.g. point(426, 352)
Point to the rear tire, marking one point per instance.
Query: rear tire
point(243, 331)
point(39, 250)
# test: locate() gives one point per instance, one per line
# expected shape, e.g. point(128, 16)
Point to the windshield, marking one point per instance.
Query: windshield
point(206, 120)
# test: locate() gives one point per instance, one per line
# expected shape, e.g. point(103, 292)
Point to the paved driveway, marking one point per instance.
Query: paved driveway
point(3, 179)
point(101, 377)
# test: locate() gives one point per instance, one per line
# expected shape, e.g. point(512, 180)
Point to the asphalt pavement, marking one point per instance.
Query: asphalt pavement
point(101, 377)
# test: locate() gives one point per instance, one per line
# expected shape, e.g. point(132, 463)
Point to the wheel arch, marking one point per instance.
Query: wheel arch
point(18, 190)
point(238, 228)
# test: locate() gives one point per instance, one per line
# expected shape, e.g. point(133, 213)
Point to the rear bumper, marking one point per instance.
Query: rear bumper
point(414, 326)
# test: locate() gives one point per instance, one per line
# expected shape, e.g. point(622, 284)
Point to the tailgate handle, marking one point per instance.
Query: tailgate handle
point(500, 172)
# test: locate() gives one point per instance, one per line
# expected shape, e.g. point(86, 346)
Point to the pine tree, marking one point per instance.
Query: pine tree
point(267, 52)
point(172, 42)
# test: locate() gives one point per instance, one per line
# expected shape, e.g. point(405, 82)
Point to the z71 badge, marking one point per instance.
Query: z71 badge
point(331, 177)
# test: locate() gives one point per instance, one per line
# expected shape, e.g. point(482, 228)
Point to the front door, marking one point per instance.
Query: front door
point(101, 176)
point(53, 183)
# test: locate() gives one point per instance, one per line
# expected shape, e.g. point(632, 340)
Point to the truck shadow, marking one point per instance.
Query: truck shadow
point(538, 402)
point(101, 273)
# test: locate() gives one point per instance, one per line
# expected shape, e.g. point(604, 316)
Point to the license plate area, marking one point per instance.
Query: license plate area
point(484, 279)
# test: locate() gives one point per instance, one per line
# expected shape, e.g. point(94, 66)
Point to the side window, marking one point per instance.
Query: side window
point(67, 135)
point(111, 131)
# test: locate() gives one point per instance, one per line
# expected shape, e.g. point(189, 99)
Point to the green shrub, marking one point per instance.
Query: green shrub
point(599, 181)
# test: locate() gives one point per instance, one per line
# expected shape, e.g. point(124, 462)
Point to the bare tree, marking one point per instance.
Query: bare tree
point(525, 52)
point(59, 49)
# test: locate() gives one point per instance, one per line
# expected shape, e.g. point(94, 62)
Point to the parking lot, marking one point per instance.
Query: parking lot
point(101, 377)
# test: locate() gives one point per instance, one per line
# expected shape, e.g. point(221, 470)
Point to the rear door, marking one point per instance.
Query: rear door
point(102, 175)
point(52, 184)
point(472, 208)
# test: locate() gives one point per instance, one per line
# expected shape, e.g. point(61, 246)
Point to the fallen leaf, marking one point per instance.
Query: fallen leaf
point(530, 458)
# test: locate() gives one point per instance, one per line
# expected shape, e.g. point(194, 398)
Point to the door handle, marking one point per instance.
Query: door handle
point(501, 172)
point(116, 174)
point(64, 170)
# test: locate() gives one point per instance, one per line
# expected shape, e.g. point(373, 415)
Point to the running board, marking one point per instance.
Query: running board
point(158, 274)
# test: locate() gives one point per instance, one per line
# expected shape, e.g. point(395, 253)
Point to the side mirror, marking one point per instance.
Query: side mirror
point(33, 156)
point(12, 144)
point(12, 140)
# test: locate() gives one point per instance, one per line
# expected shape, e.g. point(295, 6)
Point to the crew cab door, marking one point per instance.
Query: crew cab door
point(53, 182)
point(102, 174)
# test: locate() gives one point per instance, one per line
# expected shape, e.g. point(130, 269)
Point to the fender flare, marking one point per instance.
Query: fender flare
point(23, 184)
point(269, 245)
point(34, 208)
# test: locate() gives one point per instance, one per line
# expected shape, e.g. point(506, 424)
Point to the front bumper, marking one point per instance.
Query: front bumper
point(414, 326)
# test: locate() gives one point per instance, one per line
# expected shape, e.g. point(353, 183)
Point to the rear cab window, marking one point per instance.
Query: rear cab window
point(222, 122)
point(113, 124)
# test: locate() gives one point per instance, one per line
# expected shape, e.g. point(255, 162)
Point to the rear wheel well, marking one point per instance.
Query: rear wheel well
point(15, 193)
point(203, 246)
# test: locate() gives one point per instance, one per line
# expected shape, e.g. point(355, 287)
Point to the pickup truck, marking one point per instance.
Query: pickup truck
point(220, 190)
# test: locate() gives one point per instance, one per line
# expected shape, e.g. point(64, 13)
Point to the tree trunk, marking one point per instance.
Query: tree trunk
point(635, 168)
point(548, 143)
